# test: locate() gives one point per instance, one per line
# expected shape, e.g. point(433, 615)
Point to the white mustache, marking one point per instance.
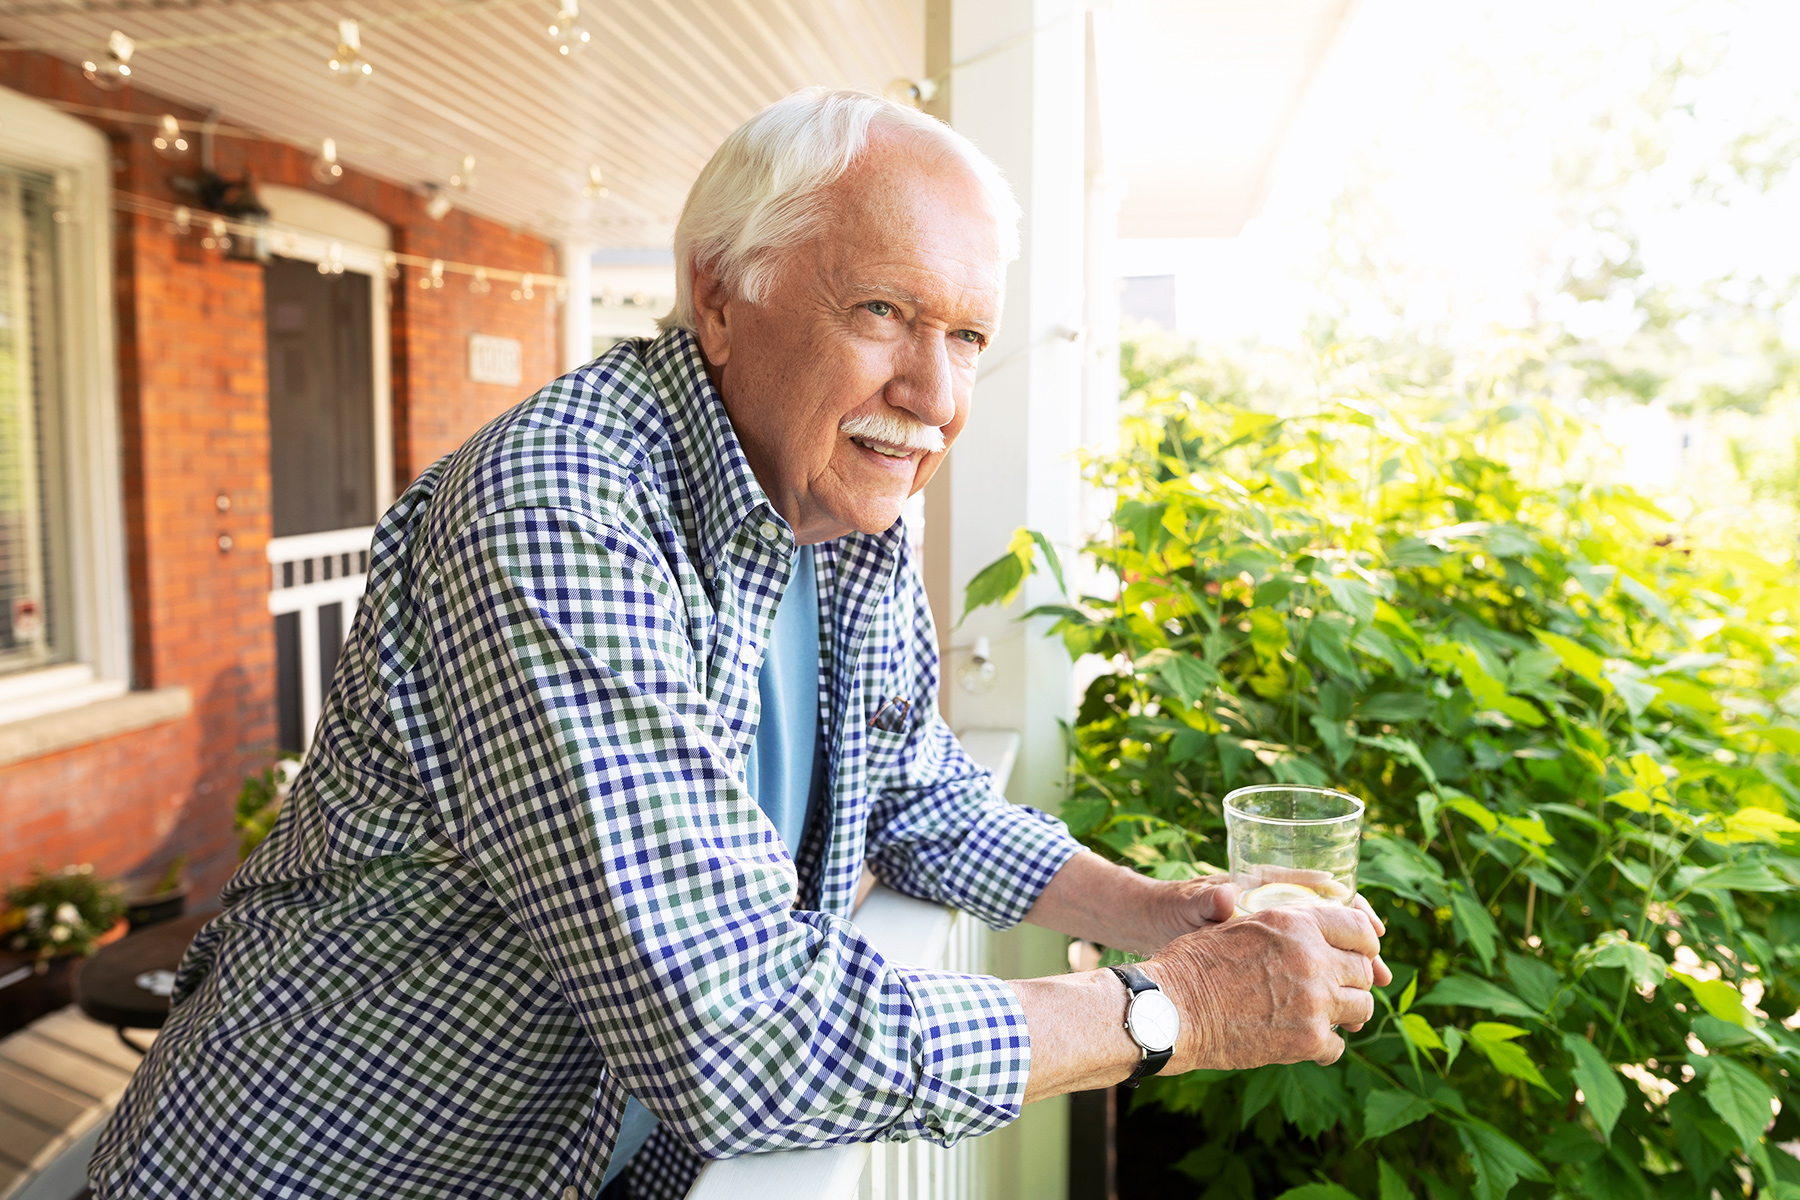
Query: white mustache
point(891, 429)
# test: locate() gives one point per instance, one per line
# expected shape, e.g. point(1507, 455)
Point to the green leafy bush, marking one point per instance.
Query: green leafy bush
point(63, 913)
point(1575, 734)
point(259, 802)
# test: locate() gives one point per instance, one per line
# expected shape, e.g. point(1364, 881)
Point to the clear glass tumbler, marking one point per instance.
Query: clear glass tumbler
point(1292, 845)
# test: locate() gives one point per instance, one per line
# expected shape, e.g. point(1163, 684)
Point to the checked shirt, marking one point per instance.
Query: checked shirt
point(519, 875)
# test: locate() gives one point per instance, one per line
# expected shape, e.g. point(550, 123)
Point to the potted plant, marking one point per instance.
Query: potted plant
point(50, 923)
point(150, 899)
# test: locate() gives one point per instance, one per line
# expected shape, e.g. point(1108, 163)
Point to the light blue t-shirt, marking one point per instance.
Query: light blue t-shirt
point(783, 764)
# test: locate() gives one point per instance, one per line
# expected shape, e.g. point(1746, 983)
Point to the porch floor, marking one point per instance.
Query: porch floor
point(60, 1077)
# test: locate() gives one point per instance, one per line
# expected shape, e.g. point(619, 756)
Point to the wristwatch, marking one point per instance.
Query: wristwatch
point(1152, 1021)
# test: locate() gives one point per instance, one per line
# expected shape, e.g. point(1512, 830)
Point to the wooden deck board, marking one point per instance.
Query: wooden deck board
point(59, 1078)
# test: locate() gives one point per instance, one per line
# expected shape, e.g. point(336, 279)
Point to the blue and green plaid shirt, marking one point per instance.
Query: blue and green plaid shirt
point(519, 875)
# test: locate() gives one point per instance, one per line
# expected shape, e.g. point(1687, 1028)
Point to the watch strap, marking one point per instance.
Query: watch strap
point(1135, 982)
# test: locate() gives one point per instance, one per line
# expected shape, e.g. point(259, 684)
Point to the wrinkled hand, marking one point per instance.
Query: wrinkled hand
point(1269, 988)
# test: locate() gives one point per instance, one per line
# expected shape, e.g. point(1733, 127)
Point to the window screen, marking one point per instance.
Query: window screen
point(34, 543)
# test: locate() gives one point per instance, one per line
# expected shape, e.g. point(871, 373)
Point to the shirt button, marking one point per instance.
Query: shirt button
point(708, 570)
point(769, 530)
point(568, 1193)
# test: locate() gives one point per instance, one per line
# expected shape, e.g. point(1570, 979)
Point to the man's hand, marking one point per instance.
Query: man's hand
point(1273, 987)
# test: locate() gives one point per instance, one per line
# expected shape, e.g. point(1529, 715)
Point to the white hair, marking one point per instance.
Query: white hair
point(763, 191)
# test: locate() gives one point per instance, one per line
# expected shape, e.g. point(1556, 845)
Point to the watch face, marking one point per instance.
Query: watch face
point(1153, 1021)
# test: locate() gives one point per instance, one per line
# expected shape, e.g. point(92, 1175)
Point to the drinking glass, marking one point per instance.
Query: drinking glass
point(1292, 845)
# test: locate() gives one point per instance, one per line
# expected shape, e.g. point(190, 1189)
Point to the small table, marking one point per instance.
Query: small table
point(127, 984)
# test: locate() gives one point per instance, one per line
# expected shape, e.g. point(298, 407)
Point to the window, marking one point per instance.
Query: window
point(64, 611)
point(34, 568)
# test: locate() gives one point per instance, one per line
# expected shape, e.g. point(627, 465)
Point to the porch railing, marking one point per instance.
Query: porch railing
point(318, 578)
point(909, 931)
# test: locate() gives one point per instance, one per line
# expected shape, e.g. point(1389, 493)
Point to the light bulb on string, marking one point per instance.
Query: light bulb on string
point(566, 35)
point(976, 676)
point(217, 238)
point(334, 261)
point(914, 93)
point(523, 291)
point(112, 70)
point(463, 178)
point(480, 285)
point(595, 188)
point(436, 278)
point(348, 64)
point(326, 168)
point(181, 221)
point(169, 141)
point(391, 261)
point(437, 202)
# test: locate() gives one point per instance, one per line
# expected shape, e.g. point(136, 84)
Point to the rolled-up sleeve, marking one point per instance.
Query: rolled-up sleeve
point(591, 787)
point(939, 829)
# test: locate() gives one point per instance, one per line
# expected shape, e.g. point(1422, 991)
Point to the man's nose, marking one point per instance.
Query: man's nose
point(922, 383)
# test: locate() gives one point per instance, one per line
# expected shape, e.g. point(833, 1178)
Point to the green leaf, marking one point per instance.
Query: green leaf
point(1317, 1191)
point(1453, 1044)
point(1576, 657)
point(1476, 925)
point(1741, 1099)
point(1387, 1111)
point(997, 583)
point(1758, 825)
point(1312, 1098)
point(1743, 876)
point(1599, 1083)
point(1498, 1161)
point(1473, 810)
point(1466, 991)
point(1082, 813)
point(1412, 989)
point(1571, 1143)
point(1718, 998)
point(1420, 1033)
point(1183, 674)
point(1050, 556)
point(1497, 1042)
point(1268, 633)
point(1393, 1187)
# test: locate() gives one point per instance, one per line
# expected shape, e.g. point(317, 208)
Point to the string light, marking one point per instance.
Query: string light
point(109, 71)
point(220, 230)
point(479, 285)
point(168, 140)
point(325, 168)
point(334, 260)
point(914, 93)
point(595, 189)
point(349, 65)
point(463, 178)
point(568, 37)
point(437, 202)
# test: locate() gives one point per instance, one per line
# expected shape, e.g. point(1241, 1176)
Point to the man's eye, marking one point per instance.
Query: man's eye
point(971, 337)
point(880, 308)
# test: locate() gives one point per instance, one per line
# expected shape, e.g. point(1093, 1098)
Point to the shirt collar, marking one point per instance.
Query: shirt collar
point(708, 454)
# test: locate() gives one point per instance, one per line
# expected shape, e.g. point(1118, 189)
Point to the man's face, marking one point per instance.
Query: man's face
point(840, 382)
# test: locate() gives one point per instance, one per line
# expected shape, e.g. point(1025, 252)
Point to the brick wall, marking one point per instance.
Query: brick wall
point(194, 425)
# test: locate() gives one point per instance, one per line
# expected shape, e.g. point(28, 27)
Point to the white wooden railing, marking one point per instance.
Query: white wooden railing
point(906, 931)
point(310, 572)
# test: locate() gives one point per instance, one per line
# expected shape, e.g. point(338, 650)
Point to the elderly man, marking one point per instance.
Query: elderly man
point(641, 680)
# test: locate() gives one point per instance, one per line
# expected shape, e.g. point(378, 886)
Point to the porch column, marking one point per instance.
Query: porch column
point(1013, 76)
point(578, 306)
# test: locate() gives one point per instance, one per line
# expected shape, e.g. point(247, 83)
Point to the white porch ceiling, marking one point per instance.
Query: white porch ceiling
point(655, 91)
point(1207, 89)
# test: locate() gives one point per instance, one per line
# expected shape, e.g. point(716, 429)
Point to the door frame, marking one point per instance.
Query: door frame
point(317, 229)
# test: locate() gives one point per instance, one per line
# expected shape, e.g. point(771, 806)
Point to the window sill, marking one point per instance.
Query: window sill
point(49, 732)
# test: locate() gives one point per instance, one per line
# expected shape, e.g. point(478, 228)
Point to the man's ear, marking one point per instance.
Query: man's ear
point(712, 313)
